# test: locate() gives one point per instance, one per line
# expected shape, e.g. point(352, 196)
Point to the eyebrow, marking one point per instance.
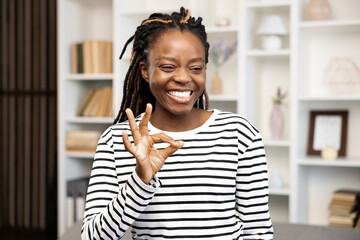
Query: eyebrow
point(199, 59)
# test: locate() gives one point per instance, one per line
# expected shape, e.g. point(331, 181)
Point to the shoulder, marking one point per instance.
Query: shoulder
point(229, 119)
point(115, 130)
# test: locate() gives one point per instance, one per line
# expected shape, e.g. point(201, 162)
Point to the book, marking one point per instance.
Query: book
point(92, 56)
point(95, 49)
point(344, 220)
point(344, 208)
point(102, 102)
point(89, 109)
point(79, 207)
point(346, 195)
point(70, 210)
point(82, 140)
point(358, 223)
point(109, 107)
point(74, 59)
point(85, 102)
point(88, 57)
point(80, 59)
point(108, 61)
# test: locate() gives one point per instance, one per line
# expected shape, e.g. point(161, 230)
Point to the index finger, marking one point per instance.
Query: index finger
point(143, 126)
point(134, 128)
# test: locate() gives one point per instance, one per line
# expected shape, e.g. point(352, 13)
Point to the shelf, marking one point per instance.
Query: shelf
point(100, 120)
point(330, 24)
point(223, 98)
point(89, 155)
point(279, 192)
point(278, 143)
point(229, 29)
point(263, 53)
point(269, 3)
point(139, 12)
point(341, 162)
point(90, 77)
point(330, 98)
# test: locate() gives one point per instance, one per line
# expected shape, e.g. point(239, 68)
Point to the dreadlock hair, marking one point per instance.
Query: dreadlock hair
point(136, 91)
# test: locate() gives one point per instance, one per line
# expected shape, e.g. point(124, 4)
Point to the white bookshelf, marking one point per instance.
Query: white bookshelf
point(78, 21)
point(250, 80)
point(319, 41)
point(262, 72)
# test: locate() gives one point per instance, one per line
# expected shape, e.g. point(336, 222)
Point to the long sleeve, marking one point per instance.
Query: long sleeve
point(252, 192)
point(112, 207)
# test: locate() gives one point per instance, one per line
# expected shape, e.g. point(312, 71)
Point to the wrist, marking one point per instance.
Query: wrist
point(143, 177)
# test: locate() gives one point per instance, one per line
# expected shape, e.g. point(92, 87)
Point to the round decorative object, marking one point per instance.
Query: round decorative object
point(317, 10)
point(329, 154)
point(342, 76)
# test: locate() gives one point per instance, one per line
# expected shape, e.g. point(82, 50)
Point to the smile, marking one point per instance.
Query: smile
point(180, 94)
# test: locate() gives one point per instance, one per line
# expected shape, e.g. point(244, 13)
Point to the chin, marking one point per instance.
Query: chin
point(180, 110)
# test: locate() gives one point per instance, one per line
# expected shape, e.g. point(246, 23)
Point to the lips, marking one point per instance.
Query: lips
point(180, 96)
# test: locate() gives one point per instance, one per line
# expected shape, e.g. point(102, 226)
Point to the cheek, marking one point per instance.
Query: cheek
point(201, 80)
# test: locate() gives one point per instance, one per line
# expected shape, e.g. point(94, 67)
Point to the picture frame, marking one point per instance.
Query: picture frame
point(328, 129)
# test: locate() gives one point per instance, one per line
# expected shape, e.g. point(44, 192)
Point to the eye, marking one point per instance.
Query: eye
point(167, 68)
point(196, 69)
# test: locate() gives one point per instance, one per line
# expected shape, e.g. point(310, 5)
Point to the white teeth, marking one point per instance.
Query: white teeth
point(180, 94)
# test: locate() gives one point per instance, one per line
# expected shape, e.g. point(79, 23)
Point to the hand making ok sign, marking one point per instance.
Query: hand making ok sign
point(149, 160)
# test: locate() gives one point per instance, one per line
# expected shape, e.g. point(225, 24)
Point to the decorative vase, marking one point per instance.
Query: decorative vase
point(216, 84)
point(276, 181)
point(276, 122)
point(317, 10)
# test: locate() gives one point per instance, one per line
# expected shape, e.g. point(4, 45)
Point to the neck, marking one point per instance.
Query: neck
point(167, 121)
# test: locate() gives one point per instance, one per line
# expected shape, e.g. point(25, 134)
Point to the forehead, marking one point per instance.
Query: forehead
point(177, 41)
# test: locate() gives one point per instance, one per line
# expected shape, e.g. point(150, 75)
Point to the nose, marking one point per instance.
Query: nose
point(182, 76)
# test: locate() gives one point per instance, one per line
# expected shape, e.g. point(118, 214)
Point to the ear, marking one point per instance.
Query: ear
point(144, 71)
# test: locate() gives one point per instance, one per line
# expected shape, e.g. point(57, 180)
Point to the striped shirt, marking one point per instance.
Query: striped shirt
point(215, 187)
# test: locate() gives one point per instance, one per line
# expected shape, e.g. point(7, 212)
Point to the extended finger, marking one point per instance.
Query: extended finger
point(143, 126)
point(128, 146)
point(134, 128)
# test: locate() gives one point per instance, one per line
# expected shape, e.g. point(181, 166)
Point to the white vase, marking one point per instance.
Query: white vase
point(276, 181)
point(277, 122)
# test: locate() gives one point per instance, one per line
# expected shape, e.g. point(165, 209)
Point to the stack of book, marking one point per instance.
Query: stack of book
point(82, 140)
point(344, 208)
point(91, 57)
point(97, 103)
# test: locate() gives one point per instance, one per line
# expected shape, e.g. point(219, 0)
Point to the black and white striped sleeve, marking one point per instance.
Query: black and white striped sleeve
point(252, 192)
point(111, 208)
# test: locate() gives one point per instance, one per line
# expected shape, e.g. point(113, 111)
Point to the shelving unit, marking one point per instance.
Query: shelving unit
point(78, 21)
point(250, 79)
point(262, 72)
point(315, 179)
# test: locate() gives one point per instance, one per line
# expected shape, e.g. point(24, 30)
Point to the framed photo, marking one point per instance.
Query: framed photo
point(327, 129)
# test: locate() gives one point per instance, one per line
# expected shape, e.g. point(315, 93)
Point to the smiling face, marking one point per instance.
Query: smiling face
point(175, 71)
